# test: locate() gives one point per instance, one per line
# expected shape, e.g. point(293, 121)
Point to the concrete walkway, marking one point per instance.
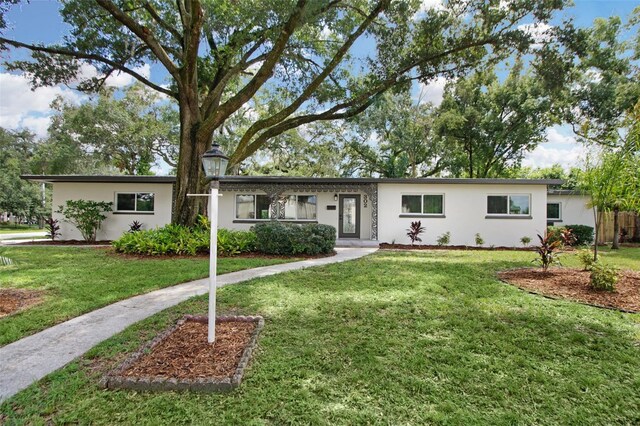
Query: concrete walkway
point(26, 236)
point(30, 359)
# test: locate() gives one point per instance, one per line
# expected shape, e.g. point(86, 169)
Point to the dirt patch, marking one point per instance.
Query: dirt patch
point(14, 300)
point(573, 284)
point(182, 359)
point(387, 246)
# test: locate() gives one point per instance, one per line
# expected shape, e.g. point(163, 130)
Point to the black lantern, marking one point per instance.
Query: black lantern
point(214, 162)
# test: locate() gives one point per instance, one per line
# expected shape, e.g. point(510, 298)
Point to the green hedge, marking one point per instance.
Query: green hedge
point(183, 240)
point(582, 233)
point(290, 239)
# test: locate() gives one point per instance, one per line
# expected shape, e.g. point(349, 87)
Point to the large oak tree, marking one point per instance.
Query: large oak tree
point(320, 59)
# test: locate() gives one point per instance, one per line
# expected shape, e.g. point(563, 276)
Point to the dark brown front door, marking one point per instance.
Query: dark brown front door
point(349, 216)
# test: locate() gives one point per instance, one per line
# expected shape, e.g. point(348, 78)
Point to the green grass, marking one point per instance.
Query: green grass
point(78, 280)
point(393, 338)
point(625, 258)
point(16, 229)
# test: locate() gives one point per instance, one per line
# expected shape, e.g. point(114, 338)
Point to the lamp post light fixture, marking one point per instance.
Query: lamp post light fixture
point(214, 163)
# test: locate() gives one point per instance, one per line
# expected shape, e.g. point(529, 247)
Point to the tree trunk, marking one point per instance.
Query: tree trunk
point(636, 228)
point(597, 214)
point(190, 178)
point(616, 229)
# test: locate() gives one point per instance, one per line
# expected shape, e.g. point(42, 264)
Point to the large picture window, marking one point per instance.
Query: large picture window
point(135, 202)
point(291, 207)
point(426, 204)
point(509, 204)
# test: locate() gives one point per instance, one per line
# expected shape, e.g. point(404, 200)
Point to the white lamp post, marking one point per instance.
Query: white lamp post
point(214, 163)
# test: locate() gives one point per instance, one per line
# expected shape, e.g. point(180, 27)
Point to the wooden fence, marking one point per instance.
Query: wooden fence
point(628, 221)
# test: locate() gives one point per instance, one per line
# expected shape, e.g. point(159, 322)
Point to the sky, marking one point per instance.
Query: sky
point(39, 21)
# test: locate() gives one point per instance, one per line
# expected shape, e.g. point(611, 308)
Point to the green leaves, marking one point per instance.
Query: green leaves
point(86, 215)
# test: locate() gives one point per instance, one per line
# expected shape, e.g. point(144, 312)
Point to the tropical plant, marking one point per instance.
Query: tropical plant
point(479, 240)
point(135, 226)
point(525, 241)
point(52, 226)
point(85, 215)
point(586, 258)
point(414, 231)
point(547, 251)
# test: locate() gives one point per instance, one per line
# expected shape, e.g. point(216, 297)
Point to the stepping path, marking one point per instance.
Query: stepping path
point(30, 359)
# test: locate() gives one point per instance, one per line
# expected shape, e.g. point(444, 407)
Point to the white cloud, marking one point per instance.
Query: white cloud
point(433, 91)
point(427, 5)
point(560, 148)
point(21, 107)
point(117, 79)
point(38, 125)
point(538, 31)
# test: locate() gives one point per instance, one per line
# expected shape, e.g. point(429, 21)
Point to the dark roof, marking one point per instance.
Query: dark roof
point(100, 178)
point(286, 179)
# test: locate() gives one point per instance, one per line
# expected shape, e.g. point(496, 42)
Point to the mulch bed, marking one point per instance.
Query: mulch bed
point(64, 243)
point(14, 300)
point(573, 284)
point(387, 246)
point(182, 359)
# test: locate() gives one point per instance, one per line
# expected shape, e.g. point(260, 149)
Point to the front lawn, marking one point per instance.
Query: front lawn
point(76, 280)
point(393, 338)
point(16, 229)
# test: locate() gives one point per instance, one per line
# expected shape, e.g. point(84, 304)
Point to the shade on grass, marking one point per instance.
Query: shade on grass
point(78, 280)
point(393, 338)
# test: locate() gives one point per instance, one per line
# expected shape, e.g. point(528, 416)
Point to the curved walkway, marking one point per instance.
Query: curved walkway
point(30, 359)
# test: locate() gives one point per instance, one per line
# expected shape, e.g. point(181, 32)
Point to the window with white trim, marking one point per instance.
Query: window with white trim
point(135, 202)
point(509, 204)
point(423, 204)
point(554, 211)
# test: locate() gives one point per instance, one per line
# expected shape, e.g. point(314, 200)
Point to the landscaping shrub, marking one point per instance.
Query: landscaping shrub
point(444, 239)
point(479, 240)
point(525, 241)
point(582, 233)
point(86, 215)
point(52, 227)
point(135, 226)
point(603, 277)
point(184, 240)
point(586, 258)
point(547, 251)
point(414, 231)
point(288, 238)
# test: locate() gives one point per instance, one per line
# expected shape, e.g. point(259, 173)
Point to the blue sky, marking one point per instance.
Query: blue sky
point(39, 21)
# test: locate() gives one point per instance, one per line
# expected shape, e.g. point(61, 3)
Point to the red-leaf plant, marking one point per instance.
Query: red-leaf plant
point(414, 231)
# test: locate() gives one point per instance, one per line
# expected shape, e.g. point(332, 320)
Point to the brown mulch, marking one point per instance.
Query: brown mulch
point(387, 246)
point(63, 243)
point(186, 354)
point(573, 284)
point(13, 300)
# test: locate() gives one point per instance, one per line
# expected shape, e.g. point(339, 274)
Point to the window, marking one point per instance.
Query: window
point(135, 202)
point(298, 207)
point(427, 204)
point(290, 207)
point(509, 204)
point(554, 211)
point(252, 207)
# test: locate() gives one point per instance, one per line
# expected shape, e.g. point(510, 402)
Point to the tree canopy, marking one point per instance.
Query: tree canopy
point(322, 60)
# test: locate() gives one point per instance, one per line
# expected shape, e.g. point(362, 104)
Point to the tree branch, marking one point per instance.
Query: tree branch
point(91, 57)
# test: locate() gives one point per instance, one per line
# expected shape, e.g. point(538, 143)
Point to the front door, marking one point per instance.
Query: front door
point(349, 216)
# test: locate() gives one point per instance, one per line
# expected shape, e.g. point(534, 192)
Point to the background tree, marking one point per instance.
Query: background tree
point(394, 138)
point(493, 123)
point(220, 54)
point(125, 132)
point(22, 199)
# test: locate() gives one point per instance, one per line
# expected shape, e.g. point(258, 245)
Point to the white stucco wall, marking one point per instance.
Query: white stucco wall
point(574, 209)
point(116, 223)
point(465, 211)
point(227, 212)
